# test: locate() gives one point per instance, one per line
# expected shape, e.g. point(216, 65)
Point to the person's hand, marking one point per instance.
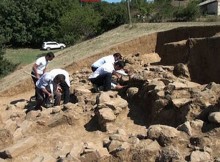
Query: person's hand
point(49, 95)
point(37, 76)
point(126, 71)
point(59, 89)
point(119, 79)
point(119, 86)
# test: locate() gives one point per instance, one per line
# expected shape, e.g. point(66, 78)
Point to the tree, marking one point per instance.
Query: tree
point(29, 23)
point(81, 22)
point(189, 13)
point(5, 66)
point(112, 15)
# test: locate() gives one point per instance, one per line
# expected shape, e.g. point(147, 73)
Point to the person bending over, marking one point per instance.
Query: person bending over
point(46, 87)
point(65, 86)
point(107, 59)
point(103, 75)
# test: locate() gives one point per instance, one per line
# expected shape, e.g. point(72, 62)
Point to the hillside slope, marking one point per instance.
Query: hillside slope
point(163, 114)
point(70, 58)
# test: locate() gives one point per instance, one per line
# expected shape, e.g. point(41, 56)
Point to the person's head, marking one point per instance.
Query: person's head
point(117, 56)
point(119, 65)
point(49, 56)
point(60, 78)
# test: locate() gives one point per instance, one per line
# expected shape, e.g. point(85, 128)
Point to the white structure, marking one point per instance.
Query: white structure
point(178, 3)
point(211, 7)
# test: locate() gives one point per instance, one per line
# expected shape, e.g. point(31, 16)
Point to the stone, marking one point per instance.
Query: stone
point(6, 138)
point(164, 134)
point(186, 127)
point(214, 117)
point(181, 102)
point(18, 148)
point(106, 115)
point(198, 156)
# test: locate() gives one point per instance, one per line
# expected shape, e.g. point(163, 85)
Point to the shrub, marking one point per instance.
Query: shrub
point(5, 66)
point(191, 12)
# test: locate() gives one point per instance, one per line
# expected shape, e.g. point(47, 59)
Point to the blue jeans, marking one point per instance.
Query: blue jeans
point(103, 80)
point(66, 92)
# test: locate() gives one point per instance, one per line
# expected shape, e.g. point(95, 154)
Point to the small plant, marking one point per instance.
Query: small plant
point(191, 12)
point(5, 66)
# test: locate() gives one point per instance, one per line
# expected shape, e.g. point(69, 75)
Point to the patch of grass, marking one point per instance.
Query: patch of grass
point(24, 56)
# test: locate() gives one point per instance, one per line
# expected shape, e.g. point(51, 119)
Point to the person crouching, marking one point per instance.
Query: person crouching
point(46, 88)
point(102, 77)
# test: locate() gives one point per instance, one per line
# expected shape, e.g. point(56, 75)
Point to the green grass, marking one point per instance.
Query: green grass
point(24, 56)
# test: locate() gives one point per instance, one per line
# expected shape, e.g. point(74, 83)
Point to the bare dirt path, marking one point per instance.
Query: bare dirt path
point(4, 101)
point(80, 54)
point(98, 46)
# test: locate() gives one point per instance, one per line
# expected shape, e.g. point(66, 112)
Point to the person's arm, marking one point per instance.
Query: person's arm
point(35, 71)
point(46, 92)
point(118, 86)
point(116, 74)
point(44, 82)
point(44, 70)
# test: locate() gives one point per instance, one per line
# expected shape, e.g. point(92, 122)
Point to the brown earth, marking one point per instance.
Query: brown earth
point(171, 41)
point(141, 38)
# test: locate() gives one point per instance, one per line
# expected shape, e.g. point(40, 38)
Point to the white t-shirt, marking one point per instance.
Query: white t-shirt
point(103, 69)
point(103, 60)
point(55, 72)
point(41, 64)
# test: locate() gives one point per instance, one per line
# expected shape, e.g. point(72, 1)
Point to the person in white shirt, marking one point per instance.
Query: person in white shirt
point(46, 87)
point(39, 67)
point(103, 75)
point(107, 59)
point(65, 86)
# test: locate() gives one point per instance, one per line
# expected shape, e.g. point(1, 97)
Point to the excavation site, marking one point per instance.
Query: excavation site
point(169, 110)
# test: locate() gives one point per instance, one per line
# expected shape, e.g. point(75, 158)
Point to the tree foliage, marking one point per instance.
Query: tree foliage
point(79, 22)
point(30, 22)
point(189, 13)
point(112, 15)
point(5, 66)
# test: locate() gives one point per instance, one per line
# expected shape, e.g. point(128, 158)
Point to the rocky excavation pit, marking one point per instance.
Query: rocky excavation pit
point(170, 110)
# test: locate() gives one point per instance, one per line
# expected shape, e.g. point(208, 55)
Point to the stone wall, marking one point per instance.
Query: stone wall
point(170, 45)
point(204, 60)
point(195, 46)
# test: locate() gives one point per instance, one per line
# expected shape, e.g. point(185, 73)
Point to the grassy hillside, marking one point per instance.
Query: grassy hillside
point(101, 44)
point(24, 56)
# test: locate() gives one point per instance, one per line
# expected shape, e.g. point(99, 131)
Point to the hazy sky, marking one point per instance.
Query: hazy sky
point(114, 1)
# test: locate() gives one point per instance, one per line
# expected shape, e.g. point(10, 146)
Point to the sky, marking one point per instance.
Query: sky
point(115, 1)
point(112, 1)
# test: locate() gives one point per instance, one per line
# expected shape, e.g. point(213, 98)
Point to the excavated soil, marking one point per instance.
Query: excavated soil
point(194, 44)
point(142, 38)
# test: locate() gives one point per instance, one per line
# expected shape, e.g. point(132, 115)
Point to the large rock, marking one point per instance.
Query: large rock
point(105, 115)
point(170, 154)
point(162, 133)
point(214, 117)
point(198, 156)
point(181, 70)
point(146, 150)
point(6, 138)
point(18, 148)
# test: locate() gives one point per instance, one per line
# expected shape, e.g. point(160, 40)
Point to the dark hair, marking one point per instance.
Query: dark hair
point(120, 63)
point(60, 78)
point(117, 55)
point(50, 55)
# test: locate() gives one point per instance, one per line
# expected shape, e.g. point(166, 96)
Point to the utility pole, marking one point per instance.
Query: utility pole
point(129, 13)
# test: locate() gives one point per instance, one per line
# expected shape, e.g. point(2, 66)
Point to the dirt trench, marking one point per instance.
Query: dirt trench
point(195, 46)
point(173, 46)
point(198, 47)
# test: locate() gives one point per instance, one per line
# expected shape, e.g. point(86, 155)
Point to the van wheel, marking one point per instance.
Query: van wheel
point(61, 47)
point(48, 48)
